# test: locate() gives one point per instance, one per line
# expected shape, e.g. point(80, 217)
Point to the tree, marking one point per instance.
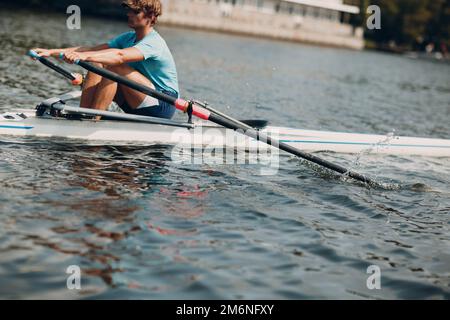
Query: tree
point(408, 23)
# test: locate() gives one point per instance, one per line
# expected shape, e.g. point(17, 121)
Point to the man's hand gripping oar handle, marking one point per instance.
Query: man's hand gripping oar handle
point(75, 78)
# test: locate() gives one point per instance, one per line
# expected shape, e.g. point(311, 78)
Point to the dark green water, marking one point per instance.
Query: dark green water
point(143, 226)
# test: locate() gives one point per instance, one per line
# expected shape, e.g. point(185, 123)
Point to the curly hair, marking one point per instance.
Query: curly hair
point(151, 8)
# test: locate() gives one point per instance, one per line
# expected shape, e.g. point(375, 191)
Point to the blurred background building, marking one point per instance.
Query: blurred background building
point(421, 26)
point(323, 22)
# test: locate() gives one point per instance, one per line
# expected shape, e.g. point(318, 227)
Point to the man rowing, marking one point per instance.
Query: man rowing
point(141, 55)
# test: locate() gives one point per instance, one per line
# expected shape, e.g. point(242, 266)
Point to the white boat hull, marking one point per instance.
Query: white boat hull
point(120, 132)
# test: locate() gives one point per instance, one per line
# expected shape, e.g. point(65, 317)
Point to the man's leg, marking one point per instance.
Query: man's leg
point(104, 94)
point(90, 88)
point(99, 92)
point(132, 97)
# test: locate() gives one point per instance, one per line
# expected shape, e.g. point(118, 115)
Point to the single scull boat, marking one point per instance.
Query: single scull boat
point(156, 130)
point(127, 129)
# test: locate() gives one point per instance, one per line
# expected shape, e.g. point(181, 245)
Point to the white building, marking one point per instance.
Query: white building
point(323, 22)
point(321, 9)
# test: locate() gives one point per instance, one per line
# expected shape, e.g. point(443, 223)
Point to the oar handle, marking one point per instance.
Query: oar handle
point(33, 54)
point(76, 78)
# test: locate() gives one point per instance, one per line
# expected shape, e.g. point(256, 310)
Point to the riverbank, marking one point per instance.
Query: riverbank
point(226, 18)
point(198, 16)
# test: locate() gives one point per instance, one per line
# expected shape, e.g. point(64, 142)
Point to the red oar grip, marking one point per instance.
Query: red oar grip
point(197, 111)
point(78, 81)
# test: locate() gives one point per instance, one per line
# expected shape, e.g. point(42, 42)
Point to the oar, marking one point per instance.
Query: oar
point(228, 122)
point(76, 78)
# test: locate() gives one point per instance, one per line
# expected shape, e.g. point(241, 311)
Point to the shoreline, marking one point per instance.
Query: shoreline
point(111, 13)
point(201, 16)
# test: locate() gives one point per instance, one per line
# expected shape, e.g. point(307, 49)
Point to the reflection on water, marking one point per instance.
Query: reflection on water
point(102, 186)
point(140, 225)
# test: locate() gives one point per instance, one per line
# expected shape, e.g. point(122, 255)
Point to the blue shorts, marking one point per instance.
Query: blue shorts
point(162, 110)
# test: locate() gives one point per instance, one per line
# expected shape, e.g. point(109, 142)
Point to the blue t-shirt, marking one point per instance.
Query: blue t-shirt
point(158, 65)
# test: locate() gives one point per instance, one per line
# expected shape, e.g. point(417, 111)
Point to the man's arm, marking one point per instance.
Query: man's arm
point(107, 56)
point(56, 52)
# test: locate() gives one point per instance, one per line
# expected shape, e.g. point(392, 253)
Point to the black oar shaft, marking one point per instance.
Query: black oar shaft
point(132, 84)
point(227, 123)
point(77, 79)
point(285, 147)
point(52, 65)
point(57, 68)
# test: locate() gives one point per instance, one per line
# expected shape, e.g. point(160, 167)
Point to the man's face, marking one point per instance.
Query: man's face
point(137, 19)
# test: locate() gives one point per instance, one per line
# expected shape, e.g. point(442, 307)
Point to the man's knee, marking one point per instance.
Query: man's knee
point(93, 75)
point(120, 69)
point(115, 68)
